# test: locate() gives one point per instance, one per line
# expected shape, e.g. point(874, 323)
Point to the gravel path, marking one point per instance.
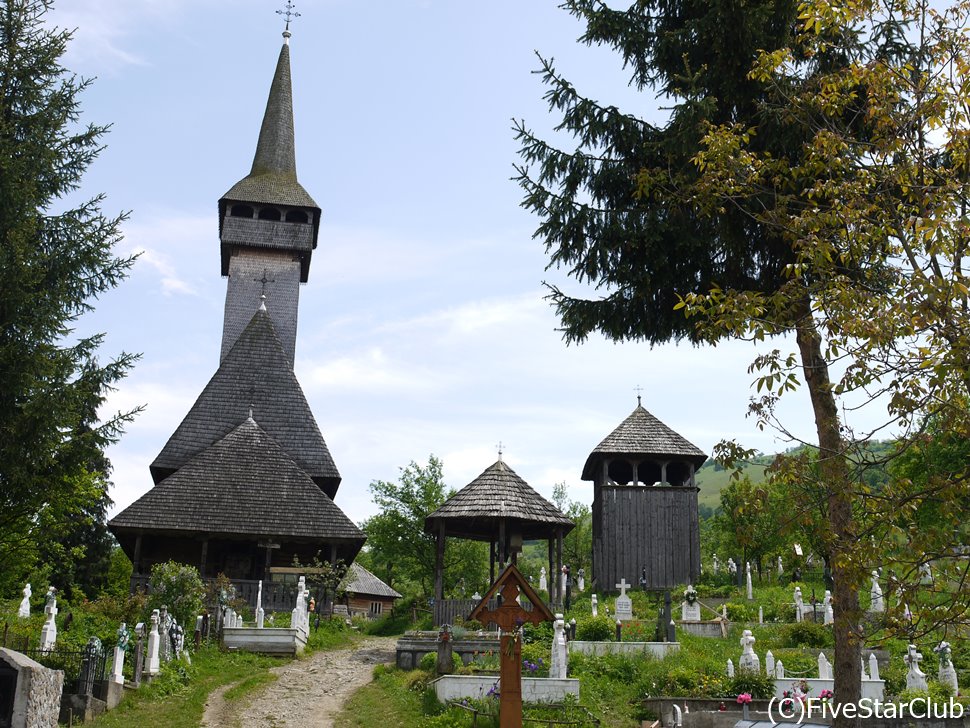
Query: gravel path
point(308, 692)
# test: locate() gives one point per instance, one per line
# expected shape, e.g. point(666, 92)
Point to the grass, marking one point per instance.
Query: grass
point(395, 698)
point(177, 698)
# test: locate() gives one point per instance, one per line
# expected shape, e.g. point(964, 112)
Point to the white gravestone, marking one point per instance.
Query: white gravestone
point(824, 667)
point(152, 662)
point(915, 678)
point(947, 675)
point(779, 670)
point(827, 602)
point(299, 617)
point(690, 608)
point(747, 577)
point(594, 605)
point(624, 605)
point(873, 667)
point(769, 663)
point(24, 611)
point(875, 594)
point(798, 604)
point(730, 668)
point(581, 580)
point(749, 661)
point(118, 669)
point(260, 614)
point(732, 567)
point(543, 585)
point(477, 597)
point(48, 633)
point(781, 569)
point(761, 615)
point(925, 575)
point(564, 578)
point(717, 565)
point(558, 664)
point(165, 640)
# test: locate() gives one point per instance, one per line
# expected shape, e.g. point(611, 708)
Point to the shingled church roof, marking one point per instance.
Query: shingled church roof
point(498, 493)
point(272, 179)
point(257, 374)
point(643, 434)
point(243, 484)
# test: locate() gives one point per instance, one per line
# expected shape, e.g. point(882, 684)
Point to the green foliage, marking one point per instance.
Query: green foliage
point(577, 546)
point(806, 634)
point(759, 685)
point(398, 549)
point(178, 587)
point(53, 476)
point(428, 662)
point(595, 629)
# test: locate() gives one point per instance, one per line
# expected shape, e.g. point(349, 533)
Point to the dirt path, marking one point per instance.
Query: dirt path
point(308, 692)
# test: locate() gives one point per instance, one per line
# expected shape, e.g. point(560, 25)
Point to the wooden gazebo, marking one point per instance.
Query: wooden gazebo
point(501, 508)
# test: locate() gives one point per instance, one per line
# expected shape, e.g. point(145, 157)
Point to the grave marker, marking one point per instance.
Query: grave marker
point(624, 605)
point(510, 617)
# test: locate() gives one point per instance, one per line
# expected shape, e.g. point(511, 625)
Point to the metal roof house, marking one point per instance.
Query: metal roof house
point(645, 522)
point(246, 482)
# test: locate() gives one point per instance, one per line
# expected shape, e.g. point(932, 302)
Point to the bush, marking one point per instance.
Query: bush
point(428, 662)
point(178, 587)
point(595, 629)
point(758, 685)
point(806, 634)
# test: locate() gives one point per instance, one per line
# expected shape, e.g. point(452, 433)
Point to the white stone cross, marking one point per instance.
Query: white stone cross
point(623, 586)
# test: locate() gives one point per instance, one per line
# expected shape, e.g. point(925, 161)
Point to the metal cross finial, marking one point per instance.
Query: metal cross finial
point(638, 389)
point(499, 449)
point(289, 14)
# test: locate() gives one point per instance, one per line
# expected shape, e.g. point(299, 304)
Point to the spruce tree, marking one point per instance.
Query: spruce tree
point(629, 213)
point(55, 260)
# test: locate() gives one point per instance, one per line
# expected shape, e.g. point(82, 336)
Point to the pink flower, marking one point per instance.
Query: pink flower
point(744, 698)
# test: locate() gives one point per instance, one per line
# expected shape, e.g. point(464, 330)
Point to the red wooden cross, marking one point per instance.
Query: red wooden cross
point(510, 616)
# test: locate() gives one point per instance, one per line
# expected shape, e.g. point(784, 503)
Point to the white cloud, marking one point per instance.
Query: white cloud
point(369, 370)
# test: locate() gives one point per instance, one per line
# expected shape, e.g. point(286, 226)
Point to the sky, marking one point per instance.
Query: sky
point(422, 329)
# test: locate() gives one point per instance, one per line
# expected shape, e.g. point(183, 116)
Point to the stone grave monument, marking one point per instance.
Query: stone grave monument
point(624, 605)
point(24, 611)
point(690, 608)
point(560, 655)
point(947, 674)
point(749, 661)
point(543, 584)
point(877, 604)
point(48, 633)
point(915, 678)
point(152, 663)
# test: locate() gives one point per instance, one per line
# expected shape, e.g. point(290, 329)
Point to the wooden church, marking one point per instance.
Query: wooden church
point(246, 483)
point(645, 522)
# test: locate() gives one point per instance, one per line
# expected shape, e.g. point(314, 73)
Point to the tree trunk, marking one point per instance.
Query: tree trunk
point(835, 476)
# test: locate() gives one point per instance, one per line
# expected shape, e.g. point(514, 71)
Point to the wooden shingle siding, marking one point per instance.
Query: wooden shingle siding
point(647, 527)
point(255, 374)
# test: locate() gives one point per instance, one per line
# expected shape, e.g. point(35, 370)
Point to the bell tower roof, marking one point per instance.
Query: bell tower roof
point(272, 179)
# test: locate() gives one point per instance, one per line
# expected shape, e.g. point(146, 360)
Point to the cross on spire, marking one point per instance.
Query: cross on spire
point(264, 280)
point(638, 389)
point(499, 450)
point(288, 14)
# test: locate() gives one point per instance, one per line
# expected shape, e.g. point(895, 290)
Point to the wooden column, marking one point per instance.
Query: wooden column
point(663, 473)
point(502, 555)
point(634, 467)
point(559, 569)
point(439, 564)
point(136, 561)
point(202, 558)
point(333, 554)
point(491, 562)
point(552, 568)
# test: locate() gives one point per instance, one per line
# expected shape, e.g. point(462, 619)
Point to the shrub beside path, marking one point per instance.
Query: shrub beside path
point(307, 692)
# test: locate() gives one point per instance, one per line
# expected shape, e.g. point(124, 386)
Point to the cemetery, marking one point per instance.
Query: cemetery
point(237, 564)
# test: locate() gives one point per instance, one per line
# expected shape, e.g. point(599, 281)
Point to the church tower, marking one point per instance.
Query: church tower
point(268, 224)
point(246, 483)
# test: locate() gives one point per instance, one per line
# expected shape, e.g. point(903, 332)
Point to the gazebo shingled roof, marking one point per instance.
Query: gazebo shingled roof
point(498, 493)
point(643, 434)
